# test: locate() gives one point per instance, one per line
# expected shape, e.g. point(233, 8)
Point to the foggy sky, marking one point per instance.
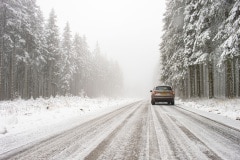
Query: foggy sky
point(128, 31)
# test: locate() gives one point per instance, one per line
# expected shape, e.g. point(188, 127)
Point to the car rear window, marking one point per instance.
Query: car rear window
point(163, 88)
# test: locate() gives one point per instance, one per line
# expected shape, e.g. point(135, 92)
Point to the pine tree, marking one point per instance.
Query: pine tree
point(87, 67)
point(52, 67)
point(76, 84)
point(226, 37)
point(38, 56)
point(67, 69)
point(172, 45)
point(210, 58)
point(13, 18)
point(34, 63)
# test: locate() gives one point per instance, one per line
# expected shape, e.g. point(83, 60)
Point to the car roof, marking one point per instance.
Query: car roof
point(169, 87)
point(164, 86)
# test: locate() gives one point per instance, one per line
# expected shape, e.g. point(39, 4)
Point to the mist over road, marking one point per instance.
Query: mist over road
point(139, 131)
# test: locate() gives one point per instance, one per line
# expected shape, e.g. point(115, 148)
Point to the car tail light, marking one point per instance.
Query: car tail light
point(154, 92)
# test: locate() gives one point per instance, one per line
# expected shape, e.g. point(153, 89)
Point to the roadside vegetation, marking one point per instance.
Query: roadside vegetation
point(200, 48)
point(36, 60)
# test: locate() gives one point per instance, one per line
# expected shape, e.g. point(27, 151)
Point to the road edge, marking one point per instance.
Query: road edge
point(234, 124)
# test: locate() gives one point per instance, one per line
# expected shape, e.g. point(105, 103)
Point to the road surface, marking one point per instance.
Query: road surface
point(139, 131)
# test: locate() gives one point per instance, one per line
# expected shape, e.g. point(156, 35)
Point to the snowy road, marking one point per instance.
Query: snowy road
point(139, 131)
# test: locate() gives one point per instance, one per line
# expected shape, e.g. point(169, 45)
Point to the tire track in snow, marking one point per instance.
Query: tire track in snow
point(91, 141)
point(179, 143)
point(94, 154)
point(201, 145)
point(154, 151)
point(221, 140)
point(127, 141)
point(139, 131)
point(221, 129)
point(61, 143)
point(164, 147)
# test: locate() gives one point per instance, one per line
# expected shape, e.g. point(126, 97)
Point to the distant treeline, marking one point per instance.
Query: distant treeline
point(200, 48)
point(35, 61)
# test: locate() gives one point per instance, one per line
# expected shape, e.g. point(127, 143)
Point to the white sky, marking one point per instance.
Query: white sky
point(128, 31)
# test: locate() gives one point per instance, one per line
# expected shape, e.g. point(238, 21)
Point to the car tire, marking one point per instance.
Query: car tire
point(153, 102)
point(173, 102)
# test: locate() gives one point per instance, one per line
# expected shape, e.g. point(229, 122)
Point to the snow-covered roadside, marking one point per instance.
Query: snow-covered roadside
point(225, 107)
point(225, 111)
point(21, 115)
point(23, 122)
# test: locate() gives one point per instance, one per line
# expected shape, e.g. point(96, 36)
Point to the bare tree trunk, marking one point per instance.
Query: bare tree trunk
point(17, 84)
point(210, 80)
point(192, 80)
point(11, 79)
point(1, 62)
point(54, 81)
point(49, 79)
point(198, 81)
point(41, 85)
point(201, 81)
point(25, 85)
point(3, 26)
point(187, 84)
point(45, 84)
point(229, 79)
point(182, 89)
point(35, 82)
point(239, 76)
point(73, 84)
point(31, 81)
point(234, 77)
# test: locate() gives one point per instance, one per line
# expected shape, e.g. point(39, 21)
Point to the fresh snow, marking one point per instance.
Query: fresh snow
point(25, 121)
point(3, 130)
point(225, 111)
point(20, 115)
point(225, 107)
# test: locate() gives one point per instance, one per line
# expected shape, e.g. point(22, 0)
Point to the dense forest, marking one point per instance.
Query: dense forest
point(36, 60)
point(200, 48)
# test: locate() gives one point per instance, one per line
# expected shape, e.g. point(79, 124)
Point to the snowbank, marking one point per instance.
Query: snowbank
point(225, 107)
point(22, 115)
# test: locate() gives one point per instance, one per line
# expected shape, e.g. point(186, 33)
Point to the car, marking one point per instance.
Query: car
point(162, 94)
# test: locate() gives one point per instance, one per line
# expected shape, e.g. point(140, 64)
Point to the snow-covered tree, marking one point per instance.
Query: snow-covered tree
point(52, 67)
point(228, 52)
point(38, 54)
point(208, 65)
point(9, 35)
point(34, 61)
point(68, 67)
point(19, 40)
point(172, 45)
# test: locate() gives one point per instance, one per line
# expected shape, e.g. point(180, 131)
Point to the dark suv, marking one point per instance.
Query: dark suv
point(162, 94)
